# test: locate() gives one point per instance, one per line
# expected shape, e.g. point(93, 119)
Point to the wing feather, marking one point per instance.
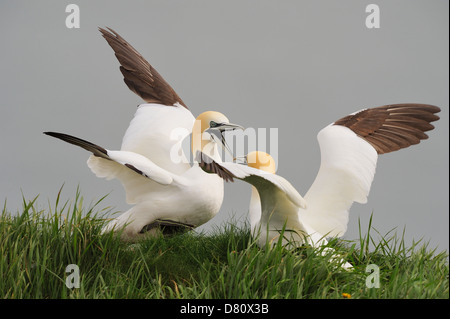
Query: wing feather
point(345, 176)
point(389, 128)
point(157, 132)
point(139, 75)
point(259, 179)
point(137, 173)
point(349, 149)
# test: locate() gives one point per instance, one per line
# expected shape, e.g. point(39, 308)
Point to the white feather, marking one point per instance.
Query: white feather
point(274, 206)
point(253, 175)
point(157, 132)
point(345, 175)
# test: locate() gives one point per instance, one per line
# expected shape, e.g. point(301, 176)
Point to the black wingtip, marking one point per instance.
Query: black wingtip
point(91, 147)
point(53, 134)
point(208, 165)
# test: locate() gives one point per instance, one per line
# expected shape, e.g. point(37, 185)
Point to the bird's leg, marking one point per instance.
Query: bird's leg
point(167, 227)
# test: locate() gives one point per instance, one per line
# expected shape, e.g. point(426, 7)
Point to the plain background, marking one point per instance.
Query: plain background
point(292, 65)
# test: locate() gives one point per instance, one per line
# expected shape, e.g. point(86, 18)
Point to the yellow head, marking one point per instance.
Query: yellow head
point(262, 161)
point(204, 120)
point(213, 124)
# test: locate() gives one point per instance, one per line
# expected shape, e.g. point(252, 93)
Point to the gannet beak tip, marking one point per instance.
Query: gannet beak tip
point(230, 127)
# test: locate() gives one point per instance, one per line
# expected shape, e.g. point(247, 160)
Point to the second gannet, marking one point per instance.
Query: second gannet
point(349, 151)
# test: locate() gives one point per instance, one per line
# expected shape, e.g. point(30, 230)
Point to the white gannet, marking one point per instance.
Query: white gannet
point(166, 191)
point(349, 150)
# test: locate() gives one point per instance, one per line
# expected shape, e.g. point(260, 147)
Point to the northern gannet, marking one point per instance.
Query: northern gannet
point(166, 191)
point(349, 150)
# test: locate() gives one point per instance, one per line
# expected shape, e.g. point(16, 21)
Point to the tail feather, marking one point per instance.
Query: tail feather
point(93, 148)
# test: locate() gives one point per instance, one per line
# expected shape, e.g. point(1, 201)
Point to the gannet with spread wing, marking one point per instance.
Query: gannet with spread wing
point(349, 151)
point(166, 191)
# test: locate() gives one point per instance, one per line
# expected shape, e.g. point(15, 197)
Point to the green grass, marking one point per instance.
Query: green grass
point(36, 245)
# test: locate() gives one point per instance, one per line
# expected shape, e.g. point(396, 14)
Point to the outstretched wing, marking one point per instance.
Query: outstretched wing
point(137, 173)
point(258, 178)
point(389, 128)
point(274, 204)
point(345, 175)
point(349, 150)
point(156, 130)
point(139, 75)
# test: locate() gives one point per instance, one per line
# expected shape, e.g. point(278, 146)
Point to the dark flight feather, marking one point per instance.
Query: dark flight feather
point(91, 147)
point(210, 166)
point(139, 75)
point(389, 128)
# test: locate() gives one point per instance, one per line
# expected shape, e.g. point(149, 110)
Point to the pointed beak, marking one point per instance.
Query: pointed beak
point(228, 127)
point(221, 128)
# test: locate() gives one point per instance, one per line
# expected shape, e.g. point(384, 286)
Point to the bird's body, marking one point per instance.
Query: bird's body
point(166, 189)
point(279, 216)
point(275, 205)
point(178, 202)
point(174, 190)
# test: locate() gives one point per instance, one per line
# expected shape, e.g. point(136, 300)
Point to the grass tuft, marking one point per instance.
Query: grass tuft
point(37, 245)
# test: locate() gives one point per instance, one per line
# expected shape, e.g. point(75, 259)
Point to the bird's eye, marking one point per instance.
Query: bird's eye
point(212, 124)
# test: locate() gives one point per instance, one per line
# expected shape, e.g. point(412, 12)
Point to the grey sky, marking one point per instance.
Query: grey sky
point(292, 65)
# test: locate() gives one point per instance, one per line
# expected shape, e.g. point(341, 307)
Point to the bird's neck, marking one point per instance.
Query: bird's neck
point(203, 143)
point(254, 211)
